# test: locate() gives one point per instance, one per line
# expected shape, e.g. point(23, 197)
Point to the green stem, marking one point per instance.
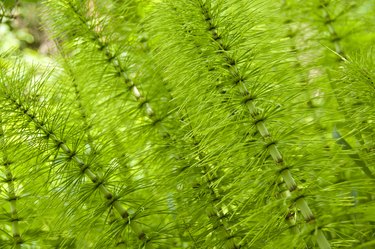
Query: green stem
point(214, 215)
point(83, 114)
point(287, 176)
point(332, 31)
point(148, 109)
point(116, 64)
point(321, 239)
point(262, 128)
point(354, 156)
point(84, 167)
point(12, 197)
point(13, 208)
point(336, 135)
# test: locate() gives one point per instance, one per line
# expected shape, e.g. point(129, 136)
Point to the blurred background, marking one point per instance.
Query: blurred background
point(21, 31)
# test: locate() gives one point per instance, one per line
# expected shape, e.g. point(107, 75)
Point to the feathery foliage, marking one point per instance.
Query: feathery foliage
point(191, 124)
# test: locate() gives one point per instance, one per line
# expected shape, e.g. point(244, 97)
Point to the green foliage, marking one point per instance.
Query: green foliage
point(191, 124)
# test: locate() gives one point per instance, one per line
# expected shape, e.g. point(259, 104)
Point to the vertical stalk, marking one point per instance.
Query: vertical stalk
point(12, 197)
point(13, 206)
point(335, 39)
point(117, 65)
point(255, 115)
point(342, 57)
point(214, 213)
point(84, 167)
point(83, 114)
point(149, 112)
point(277, 157)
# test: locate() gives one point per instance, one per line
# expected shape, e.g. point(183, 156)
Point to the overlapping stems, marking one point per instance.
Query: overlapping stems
point(116, 64)
point(235, 74)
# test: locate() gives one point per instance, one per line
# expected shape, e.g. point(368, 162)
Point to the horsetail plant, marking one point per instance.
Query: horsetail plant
point(190, 124)
point(10, 191)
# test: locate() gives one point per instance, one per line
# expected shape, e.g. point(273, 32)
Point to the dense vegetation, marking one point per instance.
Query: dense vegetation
point(187, 124)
